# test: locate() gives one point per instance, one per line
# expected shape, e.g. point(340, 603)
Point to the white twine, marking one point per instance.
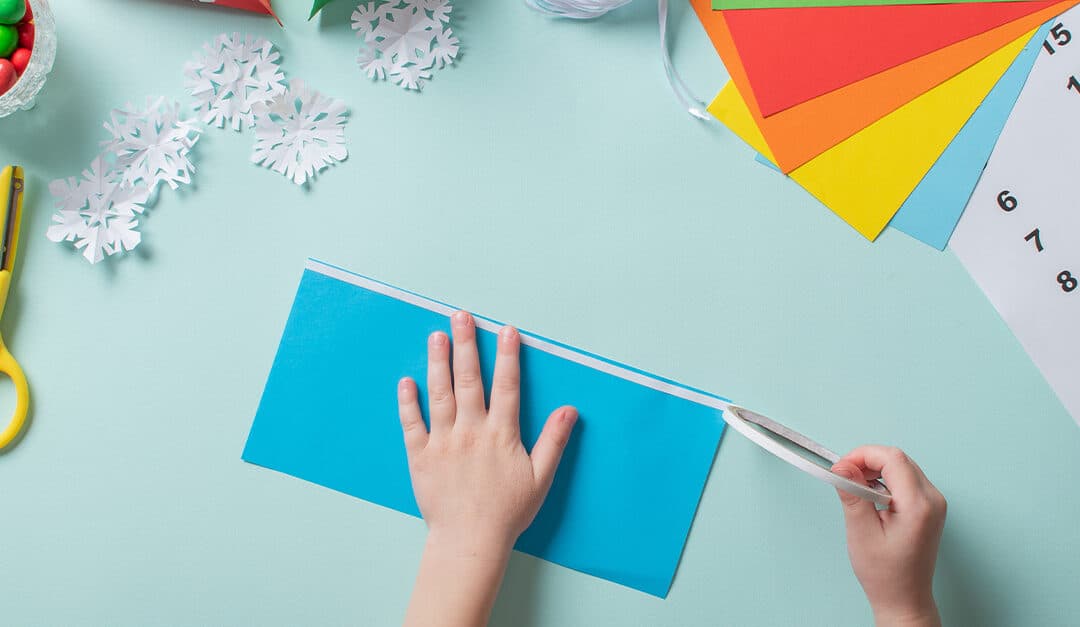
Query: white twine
point(576, 9)
point(588, 9)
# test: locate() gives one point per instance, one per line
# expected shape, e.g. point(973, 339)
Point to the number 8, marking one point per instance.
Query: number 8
point(1067, 280)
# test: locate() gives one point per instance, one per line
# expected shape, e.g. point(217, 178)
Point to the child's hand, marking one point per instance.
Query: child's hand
point(471, 475)
point(893, 551)
point(476, 486)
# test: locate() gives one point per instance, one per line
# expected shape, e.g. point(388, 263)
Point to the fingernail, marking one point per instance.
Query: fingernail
point(507, 333)
point(461, 319)
point(843, 472)
point(404, 386)
point(437, 338)
point(570, 415)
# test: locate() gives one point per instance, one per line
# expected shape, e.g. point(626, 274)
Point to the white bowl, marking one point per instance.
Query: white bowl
point(21, 95)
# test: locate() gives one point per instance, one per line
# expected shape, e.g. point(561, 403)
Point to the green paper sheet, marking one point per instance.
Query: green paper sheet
point(318, 6)
point(779, 4)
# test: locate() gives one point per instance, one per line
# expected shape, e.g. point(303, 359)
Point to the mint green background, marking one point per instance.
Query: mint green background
point(549, 180)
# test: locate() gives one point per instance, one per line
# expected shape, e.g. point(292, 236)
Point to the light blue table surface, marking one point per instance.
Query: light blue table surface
point(549, 180)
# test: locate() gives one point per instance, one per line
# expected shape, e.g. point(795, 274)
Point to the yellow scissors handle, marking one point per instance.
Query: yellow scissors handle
point(11, 368)
point(11, 190)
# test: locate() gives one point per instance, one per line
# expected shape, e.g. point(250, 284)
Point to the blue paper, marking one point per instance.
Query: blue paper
point(625, 494)
point(931, 212)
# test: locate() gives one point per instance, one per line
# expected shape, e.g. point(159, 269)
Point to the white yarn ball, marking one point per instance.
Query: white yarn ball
point(588, 9)
point(576, 9)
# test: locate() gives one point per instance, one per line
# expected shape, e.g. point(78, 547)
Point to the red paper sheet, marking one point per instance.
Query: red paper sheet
point(794, 55)
point(258, 6)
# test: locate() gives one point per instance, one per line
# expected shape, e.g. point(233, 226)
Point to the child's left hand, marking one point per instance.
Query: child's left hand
point(471, 475)
point(476, 485)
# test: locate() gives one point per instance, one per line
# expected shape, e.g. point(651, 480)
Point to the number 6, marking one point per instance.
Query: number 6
point(1007, 202)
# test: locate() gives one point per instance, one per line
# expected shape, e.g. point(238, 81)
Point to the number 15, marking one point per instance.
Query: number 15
point(1061, 37)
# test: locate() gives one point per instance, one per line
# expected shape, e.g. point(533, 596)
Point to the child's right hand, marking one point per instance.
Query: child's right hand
point(893, 551)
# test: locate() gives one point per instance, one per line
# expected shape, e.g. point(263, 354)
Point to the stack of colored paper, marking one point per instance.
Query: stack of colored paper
point(886, 113)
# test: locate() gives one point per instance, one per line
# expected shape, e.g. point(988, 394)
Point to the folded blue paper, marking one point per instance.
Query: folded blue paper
point(625, 494)
point(933, 209)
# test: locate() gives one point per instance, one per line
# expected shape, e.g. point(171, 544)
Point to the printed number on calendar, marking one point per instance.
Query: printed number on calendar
point(1061, 37)
point(1008, 203)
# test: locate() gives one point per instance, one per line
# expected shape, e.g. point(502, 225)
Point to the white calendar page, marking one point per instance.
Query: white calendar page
point(1020, 234)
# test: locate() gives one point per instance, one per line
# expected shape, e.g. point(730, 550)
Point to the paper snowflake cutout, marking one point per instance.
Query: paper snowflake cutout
point(300, 133)
point(97, 212)
point(152, 144)
point(405, 39)
point(231, 77)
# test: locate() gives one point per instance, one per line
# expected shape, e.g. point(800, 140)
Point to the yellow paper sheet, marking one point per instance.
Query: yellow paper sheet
point(865, 178)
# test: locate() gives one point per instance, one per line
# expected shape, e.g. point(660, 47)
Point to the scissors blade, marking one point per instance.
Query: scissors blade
point(790, 435)
point(11, 215)
point(796, 438)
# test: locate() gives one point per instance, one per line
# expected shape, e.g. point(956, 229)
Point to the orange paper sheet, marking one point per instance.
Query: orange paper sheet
point(795, 54)
point(868, 176)
point(800, 133)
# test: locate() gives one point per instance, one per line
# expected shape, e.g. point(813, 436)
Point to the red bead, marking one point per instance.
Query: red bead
point(26, 35)
point(20, 59)
point(7, 75)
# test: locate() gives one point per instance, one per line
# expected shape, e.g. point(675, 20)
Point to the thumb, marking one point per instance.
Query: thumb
point(549, 447)
point(860, 515)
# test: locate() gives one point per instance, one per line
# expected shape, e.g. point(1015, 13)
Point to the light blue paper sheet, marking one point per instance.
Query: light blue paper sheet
point(626, 492)
point(931, 212)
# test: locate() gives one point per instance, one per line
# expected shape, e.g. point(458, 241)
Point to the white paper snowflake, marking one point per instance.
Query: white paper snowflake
point(97, 212)
point(151, 145)
point(232, 76)
point(405, 39)
point(300, 133)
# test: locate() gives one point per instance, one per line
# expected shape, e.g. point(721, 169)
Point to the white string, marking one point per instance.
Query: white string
point(588, 9)
point(576, 9)
point(527, 339)
point(692, 103)
point(736, 417)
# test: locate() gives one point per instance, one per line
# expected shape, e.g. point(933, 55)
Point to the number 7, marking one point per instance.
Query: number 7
point(1034, 235)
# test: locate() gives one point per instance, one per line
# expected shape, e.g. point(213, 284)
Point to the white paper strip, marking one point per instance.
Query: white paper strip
point(879, 496)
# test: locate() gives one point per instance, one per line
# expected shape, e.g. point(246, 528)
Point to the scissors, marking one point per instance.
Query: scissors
point(11, 193)
point(801, 452)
